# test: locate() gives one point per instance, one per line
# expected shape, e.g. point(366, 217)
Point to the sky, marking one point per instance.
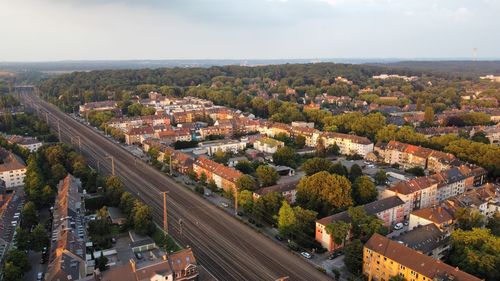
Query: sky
point(48, 30)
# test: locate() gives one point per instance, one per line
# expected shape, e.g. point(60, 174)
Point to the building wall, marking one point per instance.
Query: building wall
point(13, 178)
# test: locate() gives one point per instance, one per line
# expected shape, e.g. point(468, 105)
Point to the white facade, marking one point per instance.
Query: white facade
point(13, 178)
point(348, 145)
point(268, 145)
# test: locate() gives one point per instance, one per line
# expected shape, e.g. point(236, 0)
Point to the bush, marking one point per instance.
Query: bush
point(199, 189)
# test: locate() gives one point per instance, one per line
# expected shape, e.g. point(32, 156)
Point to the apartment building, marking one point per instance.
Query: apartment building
point(12, 169)
point(126, 123)
point(452, 182)
point(268, 145)
point(223, 176)
point(310, 134)
point(417, 193)
point(348, 144)
point(287, 190)
point(233, 146)
point(67, 259)
point(426, 239)
point(485, 199)
point(384, 258)
point(98, 106)
point(442, 216)
point(31, 144)
point(390, 210)
point(137, 135)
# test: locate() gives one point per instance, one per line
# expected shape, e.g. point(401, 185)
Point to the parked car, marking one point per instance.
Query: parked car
point(224, 204)
point(336, 254)
point(306, 255)
point(138, 256)
point(39, 276)
point(279, 238)
point(398, 226)
point(406, 223)
point(240, 214)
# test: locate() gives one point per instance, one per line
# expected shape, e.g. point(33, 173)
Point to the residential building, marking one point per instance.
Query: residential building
point(223, 176)
point(384, 258)
point(287, 190)
point(310, 134)
point(172, 135)
point(417, 193)
point(348, 144)
point(220, 128)
point(137, 135)
point(178, 266)
point(98, 106)
point(12, 169)
point(452, 182)
point(426, 239)
point(390, 210)
point(441, 216)
point(31, 144)
point(67, 251)
point(233, 146)
point(485, 199)
point(268, 145)
point(126, 123)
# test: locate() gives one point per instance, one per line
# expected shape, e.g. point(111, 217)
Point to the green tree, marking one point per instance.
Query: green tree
point(220, 156)
point(416, 171)
point(320, 148)
point(315, 165)
point(245, 167)
point(245, 201)
point(494, 224)
point(397, 278)
point(364, 190)
point(245, 182)
point(142, 219)
point(203, 178)
point(19, 258)
point(101, 263)
point(476, 252)
point(47, 195)
point(429, 115)
point(363, 225)
point(11, 272)
point(127, 202)
point(287, 220)
point(266, 175)
point(469, 218)
point(300, 141)
point(102, 213)
point(480, 137)
point(30, 214)
point(212, 185)
point(339, 231)
point(114, 190)
point(285, 156)
point(339, 169)
point(324, 193)
point(304, 228)
point(353, 256)
point(355, 172)
point(380, 177)
point(39, 238)
point(23, 238)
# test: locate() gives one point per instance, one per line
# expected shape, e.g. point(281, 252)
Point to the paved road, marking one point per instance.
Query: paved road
point(226, 247)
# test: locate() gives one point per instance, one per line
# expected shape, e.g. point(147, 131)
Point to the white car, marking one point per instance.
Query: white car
point(398, 226)
point(224, 204)
point(306, 255)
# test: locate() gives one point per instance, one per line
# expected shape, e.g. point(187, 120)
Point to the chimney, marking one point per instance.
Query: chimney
point(132, 264)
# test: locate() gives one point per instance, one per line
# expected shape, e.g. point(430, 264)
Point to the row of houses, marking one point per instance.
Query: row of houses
point(492, 133)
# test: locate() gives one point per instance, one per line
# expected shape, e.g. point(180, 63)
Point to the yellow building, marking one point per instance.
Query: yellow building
point(383, 258)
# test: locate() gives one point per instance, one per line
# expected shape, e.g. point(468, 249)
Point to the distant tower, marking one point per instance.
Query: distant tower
point(474, 54)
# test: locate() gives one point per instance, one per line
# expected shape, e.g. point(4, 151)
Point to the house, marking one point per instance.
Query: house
point(126, 123)
point(485, 199)
point(220, 128)
point(172, 135)
point(137, 135)
point(178, 266)
point(441, 216)
point(426, 239)
point(287, 190)
point(233, 146)
point(31, 144)
point(67, 260)
point(223, 176)
point(384, 258)
point(416, 193)
point(233, 161)
point(348, 144)
point(12, 169)
point(268, 145)
point(452, 182)
point(311, 135)
point(390, 210)
point(98, 106)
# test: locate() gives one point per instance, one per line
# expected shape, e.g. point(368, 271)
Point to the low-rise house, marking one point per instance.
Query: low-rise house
point(178, 266)
point(485, 199)
point(390, 210)
point(137, 135)
point(233, 146)
point(233, 161)
point(12, 169)
point(287, 190)
point(31, 144)
point(384, 258)
point(223, 176)
point(441, 216)
point(268, 145)
point(348, 144)
point(98, 106)
point(426, 239)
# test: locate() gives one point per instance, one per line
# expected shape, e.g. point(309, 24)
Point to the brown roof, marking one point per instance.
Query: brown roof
point(278, 187)
point(353, 138)
point(413, 185)
point(181, 260)
point(437, 215)
point(227, 173)
point(141, 131)
point(423, 264)
point(10, 161)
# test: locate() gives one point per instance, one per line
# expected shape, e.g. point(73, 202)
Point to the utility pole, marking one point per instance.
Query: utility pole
point(170, 164)
point(59, 130)
point(165, 221)
point(112, 164)
point(236, 200)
